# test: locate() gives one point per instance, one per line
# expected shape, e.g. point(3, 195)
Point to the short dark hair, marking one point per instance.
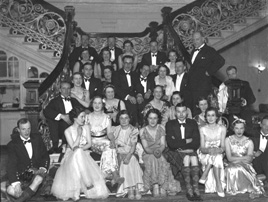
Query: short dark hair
point(107, 50)
point(173, 51)
point(153, 41)
point(128, 41)
point(200, 32)
point(158, 86)
point(128, 56)
point(77, 73)
point(65, 82)
point(182, 104)
point(22, 121)
point(87, 63)
point(201, 98)
point(230, 68)
point(264, 118)
point(212, 109)
point(180, 59)
point(74, 113)
point(167, 69)
point(152, 111)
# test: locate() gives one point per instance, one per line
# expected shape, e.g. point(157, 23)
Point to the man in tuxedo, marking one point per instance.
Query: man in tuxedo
point(57, 117)
point(260, 162)
point(78, 50)
point(180, 80)
point(128, 87)
point(183, 139)
point(114, 51)
point(148, 87)
point(205, 63)
point(92, 84)
point(154, 58)
point(28, 162)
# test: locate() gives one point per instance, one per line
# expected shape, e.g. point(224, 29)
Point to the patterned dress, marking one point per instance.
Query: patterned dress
point(157, 170)
point(241, 177)
point(212, 139)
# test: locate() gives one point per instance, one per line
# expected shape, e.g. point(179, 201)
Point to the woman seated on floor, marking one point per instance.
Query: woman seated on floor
point(125, 138)
point(240, 175)
point(157, 174)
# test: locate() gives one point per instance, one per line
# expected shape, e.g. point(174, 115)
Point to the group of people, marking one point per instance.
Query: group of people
point(154, 114)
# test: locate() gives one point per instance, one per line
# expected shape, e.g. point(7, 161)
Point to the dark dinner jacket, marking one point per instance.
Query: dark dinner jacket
point(150, 83)
point(119, 80)
point(77, 52)
point(207, 60)
point(95, 87)
point(18, 158)
point(161, 58)
point(183, 82)
point(260, 163)
point(174, 139)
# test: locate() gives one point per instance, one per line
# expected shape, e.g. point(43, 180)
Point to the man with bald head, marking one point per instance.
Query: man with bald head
point(206, 61)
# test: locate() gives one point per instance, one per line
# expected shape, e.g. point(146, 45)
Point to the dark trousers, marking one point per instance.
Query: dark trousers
point(260, 164)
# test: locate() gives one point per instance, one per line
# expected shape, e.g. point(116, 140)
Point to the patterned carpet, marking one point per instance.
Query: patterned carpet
point(178, 198)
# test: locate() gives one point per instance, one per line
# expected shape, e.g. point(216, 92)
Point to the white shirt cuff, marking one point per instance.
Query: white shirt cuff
point(58, 117)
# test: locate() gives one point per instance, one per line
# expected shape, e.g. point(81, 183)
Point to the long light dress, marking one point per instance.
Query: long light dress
point(241, 177)
point(212, 140)
point(132, 172)
point(101, 144)
point(157, 170)
point(77, 172)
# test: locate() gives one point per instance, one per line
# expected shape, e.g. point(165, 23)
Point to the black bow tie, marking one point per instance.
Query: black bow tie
point(26, 141)
point(265, 136)
point(197, 49)
point(111, 49)
point(87, 80)
point(143, 79)
point(127, 73)
point(154, 54)
point(67, 99)
point(182, 124)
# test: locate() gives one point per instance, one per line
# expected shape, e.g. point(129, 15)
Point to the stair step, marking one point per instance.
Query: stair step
point(19, 38)
point(238, 27)
point(251, 20)
point(212, 40)
point(48, 52)
point(226, 33)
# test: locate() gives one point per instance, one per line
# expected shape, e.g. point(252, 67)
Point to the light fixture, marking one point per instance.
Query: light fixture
point(261, 68)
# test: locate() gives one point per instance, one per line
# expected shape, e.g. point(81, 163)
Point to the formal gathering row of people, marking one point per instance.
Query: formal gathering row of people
point(152, 123)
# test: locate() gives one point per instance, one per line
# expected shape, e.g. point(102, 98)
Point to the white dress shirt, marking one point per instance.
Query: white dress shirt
point(178, 81)
point(112, 51)
point(128, 78)
point(67, 106)
point(144, 84)
point(87, 84)
point(28, 146)
point(196, 53)
point(153, 56)
point(182, 129)
point(263, 142)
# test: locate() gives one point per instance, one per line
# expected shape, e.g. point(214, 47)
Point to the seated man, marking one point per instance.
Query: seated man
point(260, 163)
point(183, 139)
point(28, 162)
point(57, 116)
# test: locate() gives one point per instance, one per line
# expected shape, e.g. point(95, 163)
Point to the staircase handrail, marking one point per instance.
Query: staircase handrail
point(210, 17)
point(36, 19)
point(60, 70)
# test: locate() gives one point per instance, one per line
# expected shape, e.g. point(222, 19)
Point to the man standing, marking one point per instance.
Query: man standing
point(183, 139)
point(114, 51)
point(90, 83)
point(57, 116)
point(154, 58)
point(260, 163)
point(28, 162)
point(205, 63)
point(180, 80)
point(78, 50)
point(128, 87)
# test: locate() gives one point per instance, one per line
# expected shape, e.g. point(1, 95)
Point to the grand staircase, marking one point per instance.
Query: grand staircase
point(36, 31)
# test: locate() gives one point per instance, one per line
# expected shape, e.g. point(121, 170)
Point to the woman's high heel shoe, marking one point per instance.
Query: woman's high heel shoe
point(221, 194)
point(156, 190)
point(130, 194)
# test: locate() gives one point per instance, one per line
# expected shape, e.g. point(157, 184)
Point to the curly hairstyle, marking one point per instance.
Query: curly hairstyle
point(74, 113)
point(209, 109)
point(95, 97)
point(152, 111)
point(122, 112)
point(167, 69)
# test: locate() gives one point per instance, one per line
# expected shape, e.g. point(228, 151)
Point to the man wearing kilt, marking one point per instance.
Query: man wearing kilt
point(183, 139)
point(28, 162)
